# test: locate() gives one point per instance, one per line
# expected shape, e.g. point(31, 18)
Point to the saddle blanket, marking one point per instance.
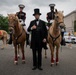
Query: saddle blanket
point(1, 33)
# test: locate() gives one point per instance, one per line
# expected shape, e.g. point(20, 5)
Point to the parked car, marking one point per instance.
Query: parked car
point(71, 39)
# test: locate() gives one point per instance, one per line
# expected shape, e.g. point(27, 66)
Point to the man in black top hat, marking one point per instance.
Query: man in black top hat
point(38, 31)
point(51, 15)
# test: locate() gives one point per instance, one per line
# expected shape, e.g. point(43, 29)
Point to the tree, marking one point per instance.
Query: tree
point(75, 26)
point(3, 23)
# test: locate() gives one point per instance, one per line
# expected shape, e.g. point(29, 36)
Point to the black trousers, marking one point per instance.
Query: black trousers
point(37, 57)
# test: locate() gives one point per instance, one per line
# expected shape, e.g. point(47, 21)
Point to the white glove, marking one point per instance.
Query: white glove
point(22, 22)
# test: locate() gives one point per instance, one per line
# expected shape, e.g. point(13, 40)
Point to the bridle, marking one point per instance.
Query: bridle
point(16, 37)
point(12, 27)
point(60, 23)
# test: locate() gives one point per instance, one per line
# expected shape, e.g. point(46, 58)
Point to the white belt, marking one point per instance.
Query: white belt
point(21, 21)
point(51, 21)
point(62, 29)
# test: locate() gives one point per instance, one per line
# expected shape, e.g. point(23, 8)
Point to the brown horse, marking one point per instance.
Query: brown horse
point(18, 36)
point(3, 37)
point(54, 36)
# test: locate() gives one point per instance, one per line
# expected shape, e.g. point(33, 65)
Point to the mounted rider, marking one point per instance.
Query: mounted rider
point(22, 17)
point(50, 15)
point(50, 18)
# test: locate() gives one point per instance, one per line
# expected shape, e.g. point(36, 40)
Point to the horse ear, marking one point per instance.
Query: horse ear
point(56, 10)
point(8, 14)
point(15, 14)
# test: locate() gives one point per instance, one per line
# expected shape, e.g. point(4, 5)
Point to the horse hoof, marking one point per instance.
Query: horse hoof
point(52, 64)
point(57, 63)
point(2, 48)
point(23, 61)
point(16, 62)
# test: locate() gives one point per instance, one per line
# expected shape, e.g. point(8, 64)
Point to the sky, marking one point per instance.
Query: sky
point(11, 6)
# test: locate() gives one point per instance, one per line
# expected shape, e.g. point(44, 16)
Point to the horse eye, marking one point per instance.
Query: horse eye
point(57, 17)
point(13, 19)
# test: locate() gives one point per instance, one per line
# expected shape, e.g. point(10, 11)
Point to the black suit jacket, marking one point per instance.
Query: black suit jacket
point(51, 15)
point(38, 34)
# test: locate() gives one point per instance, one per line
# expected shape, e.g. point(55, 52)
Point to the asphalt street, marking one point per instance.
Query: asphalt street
point(67, 65)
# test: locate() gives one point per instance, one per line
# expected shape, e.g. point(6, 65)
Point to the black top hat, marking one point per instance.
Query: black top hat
point(36, 11)
point(52, 5)
point(21, 6)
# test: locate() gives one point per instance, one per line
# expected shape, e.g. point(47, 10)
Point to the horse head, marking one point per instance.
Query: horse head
point(13, 22)
point(59, 17)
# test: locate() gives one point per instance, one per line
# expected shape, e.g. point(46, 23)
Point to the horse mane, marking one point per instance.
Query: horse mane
point(60, 13)
point(14, 18)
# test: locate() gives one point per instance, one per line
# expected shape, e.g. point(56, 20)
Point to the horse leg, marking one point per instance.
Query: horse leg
point(23, 55)
point(57, 56)
point(18, 51)
point(45, 54)
point(52, 55)
point(5, 41)
point(3, 44)
point(16, 58)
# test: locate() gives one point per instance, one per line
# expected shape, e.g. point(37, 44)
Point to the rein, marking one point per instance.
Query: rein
point(60, 23)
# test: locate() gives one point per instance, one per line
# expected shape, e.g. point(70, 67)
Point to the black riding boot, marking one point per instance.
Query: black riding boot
point(63, 40)
point(10, 39)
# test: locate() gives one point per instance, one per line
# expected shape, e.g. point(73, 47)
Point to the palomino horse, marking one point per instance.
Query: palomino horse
point(54, 36)
point(18, 36)
point(3, 37)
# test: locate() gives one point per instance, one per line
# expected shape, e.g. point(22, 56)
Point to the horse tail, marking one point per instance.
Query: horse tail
point(5, 34)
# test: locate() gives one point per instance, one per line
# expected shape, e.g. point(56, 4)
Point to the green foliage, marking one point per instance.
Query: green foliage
point(75, 26)
point(3, 23)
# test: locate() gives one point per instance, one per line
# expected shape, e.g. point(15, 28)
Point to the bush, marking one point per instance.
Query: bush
point(3, 23)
